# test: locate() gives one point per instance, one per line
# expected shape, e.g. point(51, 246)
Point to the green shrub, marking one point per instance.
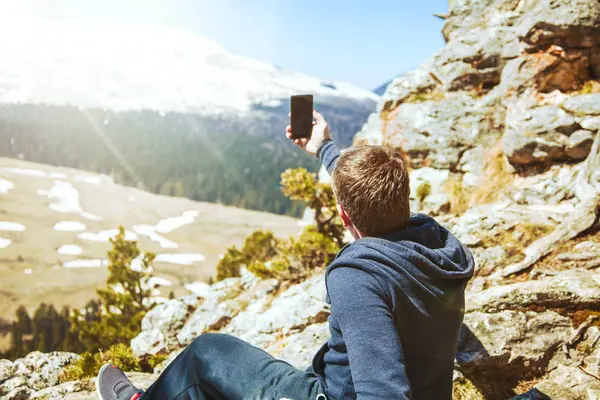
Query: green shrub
point(425, 95)
point(229, 266)
point(122, 356)
point(156, 359)
point(89, 364)
point(84, 367)
point(590, 87)
point(267, 257)
point(259, 245)
point(298, 257)
point(423, 190)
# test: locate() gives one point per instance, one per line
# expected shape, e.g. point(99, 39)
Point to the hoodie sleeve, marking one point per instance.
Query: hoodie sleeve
point(372, 342)
point(328, 153)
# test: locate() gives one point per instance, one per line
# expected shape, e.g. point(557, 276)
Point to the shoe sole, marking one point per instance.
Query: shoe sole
point(98, 380)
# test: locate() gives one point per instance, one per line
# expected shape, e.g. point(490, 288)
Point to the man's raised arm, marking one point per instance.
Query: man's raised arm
point(328, 153)
point(319, 144)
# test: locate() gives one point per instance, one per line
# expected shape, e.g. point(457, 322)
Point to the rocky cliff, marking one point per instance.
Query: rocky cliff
point(500, 129)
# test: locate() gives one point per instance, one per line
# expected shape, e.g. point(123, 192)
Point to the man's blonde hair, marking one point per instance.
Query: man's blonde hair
point(371, 183)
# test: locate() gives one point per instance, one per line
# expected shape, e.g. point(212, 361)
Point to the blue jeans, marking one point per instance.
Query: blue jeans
point(223, 367)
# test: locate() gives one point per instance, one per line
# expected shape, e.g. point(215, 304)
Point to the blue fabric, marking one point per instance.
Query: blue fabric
point(397, 304)
point(223, 367)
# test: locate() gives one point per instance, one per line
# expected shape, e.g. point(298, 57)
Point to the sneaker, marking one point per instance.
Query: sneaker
point(112, 384)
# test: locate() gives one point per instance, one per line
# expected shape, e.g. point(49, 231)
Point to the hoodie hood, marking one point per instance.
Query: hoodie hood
point(424, 254)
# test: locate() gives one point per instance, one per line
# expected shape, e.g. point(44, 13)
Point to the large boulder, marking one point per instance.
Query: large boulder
point(499, 74)
point(585, 104)
point(571, 289)
point(217, 312)
point(510, 345)
point(33, 372)
point(538, 135)
point(299, 348)
point(161, 324)
point(568, 383)
point(293, 310)
point(436, 132)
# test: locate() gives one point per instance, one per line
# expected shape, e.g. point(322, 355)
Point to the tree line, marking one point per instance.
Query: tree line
point(229, 160)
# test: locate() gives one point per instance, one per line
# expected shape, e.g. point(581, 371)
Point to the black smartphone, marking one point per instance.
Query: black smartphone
point(302, 115)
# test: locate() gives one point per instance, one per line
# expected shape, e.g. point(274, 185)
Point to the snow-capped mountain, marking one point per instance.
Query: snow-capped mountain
point(161, 109)
point(133, 68)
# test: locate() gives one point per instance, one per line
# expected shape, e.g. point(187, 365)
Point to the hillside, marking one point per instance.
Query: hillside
point(55, 224)
point(87, 98)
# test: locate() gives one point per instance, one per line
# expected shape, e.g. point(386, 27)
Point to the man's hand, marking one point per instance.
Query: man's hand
point(320, 134)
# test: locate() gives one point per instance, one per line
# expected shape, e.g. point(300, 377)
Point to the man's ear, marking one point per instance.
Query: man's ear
point(343, 215)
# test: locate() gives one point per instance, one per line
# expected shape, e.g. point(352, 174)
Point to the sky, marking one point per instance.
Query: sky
point(365, 42)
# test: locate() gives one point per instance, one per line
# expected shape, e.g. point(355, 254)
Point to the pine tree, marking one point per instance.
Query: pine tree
point(21, 333)
point(117, 316)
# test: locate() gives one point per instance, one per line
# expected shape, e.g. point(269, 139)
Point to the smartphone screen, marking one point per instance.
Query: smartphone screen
point(302, 115)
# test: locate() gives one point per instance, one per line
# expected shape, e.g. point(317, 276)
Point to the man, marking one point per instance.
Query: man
point(396, 295)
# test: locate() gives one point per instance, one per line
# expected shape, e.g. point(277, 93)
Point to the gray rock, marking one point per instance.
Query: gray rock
point(569, 383)
point(201, 289)
point(149, 342)
point(160, 326)
point(227, 288)
point(435, 177)
point(7, 370)
point(13, 383)
point(580, 143)
point(488, 259)
point(592, 360)
point(22, 393)
point(435, 204)
point(294, 309)
point(470, 240)
point(552, 21)
point(585, 104)
point(410, 83)
point(472, 160)
point(299, 349)
point(248, 279)
point(55, 392)
point(213, 314)
point(165, 316)
point(576, 288)
point(470, 179)
point(537, 135)
point(437, 200)
point(587, 245)
point(512, 343)
point(592, 124)
point(436, 133)
point(371, 132)
point(42, 370)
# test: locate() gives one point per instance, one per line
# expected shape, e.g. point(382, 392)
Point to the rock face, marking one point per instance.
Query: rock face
point(509, 107)
point(512, 71)
point(34, 372)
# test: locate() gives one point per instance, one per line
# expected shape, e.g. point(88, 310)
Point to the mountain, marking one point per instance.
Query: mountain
point(140, 68)
point(55, 224)
point(380, 90)
point(161, 109)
